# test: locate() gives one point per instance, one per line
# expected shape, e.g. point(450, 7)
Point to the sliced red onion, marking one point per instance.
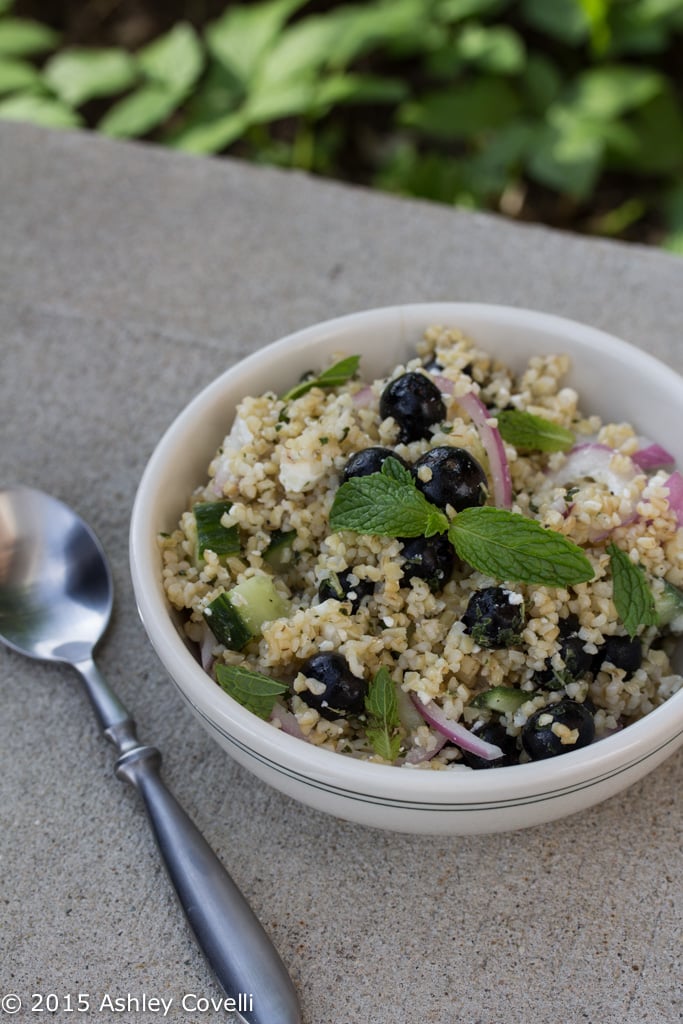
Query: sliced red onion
point(444, 385)
point(597, 538)
point(364, 397)
point(652, 456)
point(674, 484)
point(288, 722)
point(593, 461)
point(418, 755)
point(206, 646)
point(454, 731)
point(493, 443)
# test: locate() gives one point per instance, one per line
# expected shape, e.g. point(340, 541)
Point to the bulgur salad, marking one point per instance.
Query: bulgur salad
point(454, 565)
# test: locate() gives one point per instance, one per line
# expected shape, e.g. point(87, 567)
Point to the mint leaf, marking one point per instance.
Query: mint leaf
point(527, 431)
point(333, 377)
point(397, 471)
point(385, 504)
point(383, 721)
point(508, 546)
point(632, 596)
point(252, 690)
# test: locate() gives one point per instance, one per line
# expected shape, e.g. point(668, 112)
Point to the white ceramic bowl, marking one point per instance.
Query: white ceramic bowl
point(613, 379)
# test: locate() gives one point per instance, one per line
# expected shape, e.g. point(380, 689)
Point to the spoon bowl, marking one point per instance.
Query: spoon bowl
point(54, 579)
point(56, 598)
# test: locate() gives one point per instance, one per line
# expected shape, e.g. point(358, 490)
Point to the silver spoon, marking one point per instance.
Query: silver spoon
point(55, 602)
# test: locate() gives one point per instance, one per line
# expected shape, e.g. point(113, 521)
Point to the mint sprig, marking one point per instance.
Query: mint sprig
point(386, 504)
point(499, 543)
point(252, 690)
point(529, 432)
point(381, 706)
point(333, 377)
point(632, 596)
point(508, 546)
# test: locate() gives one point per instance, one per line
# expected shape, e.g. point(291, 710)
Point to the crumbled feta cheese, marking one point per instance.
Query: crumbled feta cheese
point(298, 474)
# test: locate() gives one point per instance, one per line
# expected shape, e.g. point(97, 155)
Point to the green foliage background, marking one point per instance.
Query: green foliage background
point(565, 111)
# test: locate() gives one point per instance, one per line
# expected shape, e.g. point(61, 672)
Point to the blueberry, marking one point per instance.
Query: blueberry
point(545, 730)
point(456, 478)
point(344, 692)
point(338, 587)
point(428, 558)
point(576, 663)
point(493, 618)
point(369, 460)
point(621, 651)
point(569, 625)
point(492, 732)
point(415, 403)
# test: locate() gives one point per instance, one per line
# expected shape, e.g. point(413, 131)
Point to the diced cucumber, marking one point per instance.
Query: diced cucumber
point(668, 605)
point(211, 534)
point(278, 554)
point(504, 699)
point(237, 616)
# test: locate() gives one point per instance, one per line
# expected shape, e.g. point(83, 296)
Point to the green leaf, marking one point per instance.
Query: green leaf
point(673, 214)
point(383, 24)
point(287, 100)
point(5, 6)
point(616, 221)
point(333, 377)
point(217, 93)
point(645, 26)
point(501, 160)
point(210, 136)
point(137, 114)
point(497, 49)
point(18, 75)
point(301, 49)
point(568, 154)
point(458, 10)
point(21, 37)
point(240, 37)
point(632, 596)
point(381, 706)
point(541, 82)
point(351, 88)
point(533, 433)
point(466, 111)
point(428, 174)
point(393, 469)
point(510, 547)
point(597, 14)
point(78, 75)
point(606, 93)
point(254, 691)
point(386, 504)
point(658, 127)
point(42, 110)
point(561, 19)
point(175, 59)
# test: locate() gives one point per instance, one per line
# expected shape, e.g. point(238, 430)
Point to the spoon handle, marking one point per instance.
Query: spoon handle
point(114, 718)
point(234, 942)
point(230, 935)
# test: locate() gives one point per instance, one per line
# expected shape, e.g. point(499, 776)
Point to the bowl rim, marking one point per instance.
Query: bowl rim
point(317, 767)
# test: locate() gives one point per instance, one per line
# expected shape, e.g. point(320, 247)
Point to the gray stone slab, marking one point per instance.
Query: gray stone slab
point(130, 277)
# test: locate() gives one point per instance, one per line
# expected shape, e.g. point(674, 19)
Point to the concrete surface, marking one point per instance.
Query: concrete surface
point(129, 277)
